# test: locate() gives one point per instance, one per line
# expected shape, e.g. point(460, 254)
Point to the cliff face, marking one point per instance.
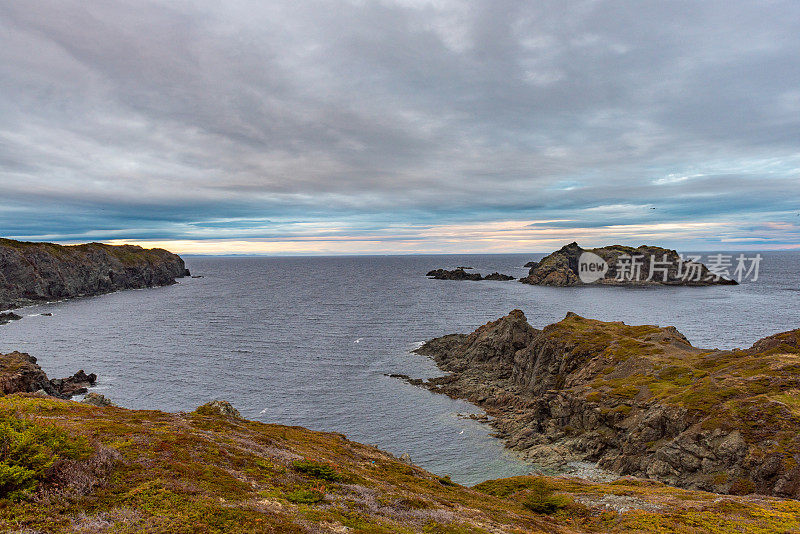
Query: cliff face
point(561, 268)
point(31, 272)
point(639, 400)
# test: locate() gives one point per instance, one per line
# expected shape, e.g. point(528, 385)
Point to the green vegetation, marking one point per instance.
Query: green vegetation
point(317, 470)
point(649, 507)
point(304, 496)
point(28, 450)
point(541, 500)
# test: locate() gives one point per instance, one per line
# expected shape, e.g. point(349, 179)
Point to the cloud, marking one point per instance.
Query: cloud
point(181, 121)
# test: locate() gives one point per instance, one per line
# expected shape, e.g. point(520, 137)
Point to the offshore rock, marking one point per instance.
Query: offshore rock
point(455, 274)
point(7, 317)
point(561, 268)
point(461, 274)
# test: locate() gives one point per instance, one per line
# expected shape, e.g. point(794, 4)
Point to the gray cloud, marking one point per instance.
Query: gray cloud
point(154, 119)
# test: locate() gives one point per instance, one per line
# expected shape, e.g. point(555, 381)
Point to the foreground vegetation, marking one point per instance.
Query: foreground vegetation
point(71, 467)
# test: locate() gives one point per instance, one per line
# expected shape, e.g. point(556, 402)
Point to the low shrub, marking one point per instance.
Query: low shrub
point(28, 450)
point(317, 470)
point(305, 496)
point(541, 500)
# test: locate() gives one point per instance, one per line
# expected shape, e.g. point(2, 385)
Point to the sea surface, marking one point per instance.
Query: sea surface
point(308, 340)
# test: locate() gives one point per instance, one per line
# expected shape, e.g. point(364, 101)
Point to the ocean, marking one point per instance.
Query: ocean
point(308, 340)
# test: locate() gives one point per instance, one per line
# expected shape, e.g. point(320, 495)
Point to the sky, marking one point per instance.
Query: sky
point(404, 126)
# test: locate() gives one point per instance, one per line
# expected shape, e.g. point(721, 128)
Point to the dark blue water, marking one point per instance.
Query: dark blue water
point(306, 341)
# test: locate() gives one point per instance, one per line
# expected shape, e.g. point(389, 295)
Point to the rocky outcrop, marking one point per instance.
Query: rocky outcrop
point(455, 274)
point(96, 399)
point(461, 274)
point(561, 268)
point(35, 272)
point(219, 407)
point(638, 400)
point(19, 373)
point(7, 317)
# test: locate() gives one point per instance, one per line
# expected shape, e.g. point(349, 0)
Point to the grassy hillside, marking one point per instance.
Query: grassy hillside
point(72, 467)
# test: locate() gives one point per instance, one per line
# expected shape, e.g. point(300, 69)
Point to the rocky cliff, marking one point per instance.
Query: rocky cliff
point(31, 272)
point(561, 268)
point(639, 400)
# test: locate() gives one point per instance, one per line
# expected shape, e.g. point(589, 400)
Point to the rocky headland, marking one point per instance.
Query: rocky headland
point(638, 400)
point(37, 272)
point(460, 273)
point(561, 268)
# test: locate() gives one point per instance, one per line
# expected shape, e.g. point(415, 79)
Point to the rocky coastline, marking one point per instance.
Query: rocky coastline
point(40, 272)
point(638, 400)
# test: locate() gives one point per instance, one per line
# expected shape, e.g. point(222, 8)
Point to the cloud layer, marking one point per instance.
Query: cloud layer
point(400, 126)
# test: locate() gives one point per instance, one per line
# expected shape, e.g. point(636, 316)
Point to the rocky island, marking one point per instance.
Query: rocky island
point(638, 400)
point(38, 272)
point(621, 265)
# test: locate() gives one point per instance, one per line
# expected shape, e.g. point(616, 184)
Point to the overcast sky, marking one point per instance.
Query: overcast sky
point(401, 126)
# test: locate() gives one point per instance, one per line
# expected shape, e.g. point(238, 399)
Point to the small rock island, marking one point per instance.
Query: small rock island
point(621, 265)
